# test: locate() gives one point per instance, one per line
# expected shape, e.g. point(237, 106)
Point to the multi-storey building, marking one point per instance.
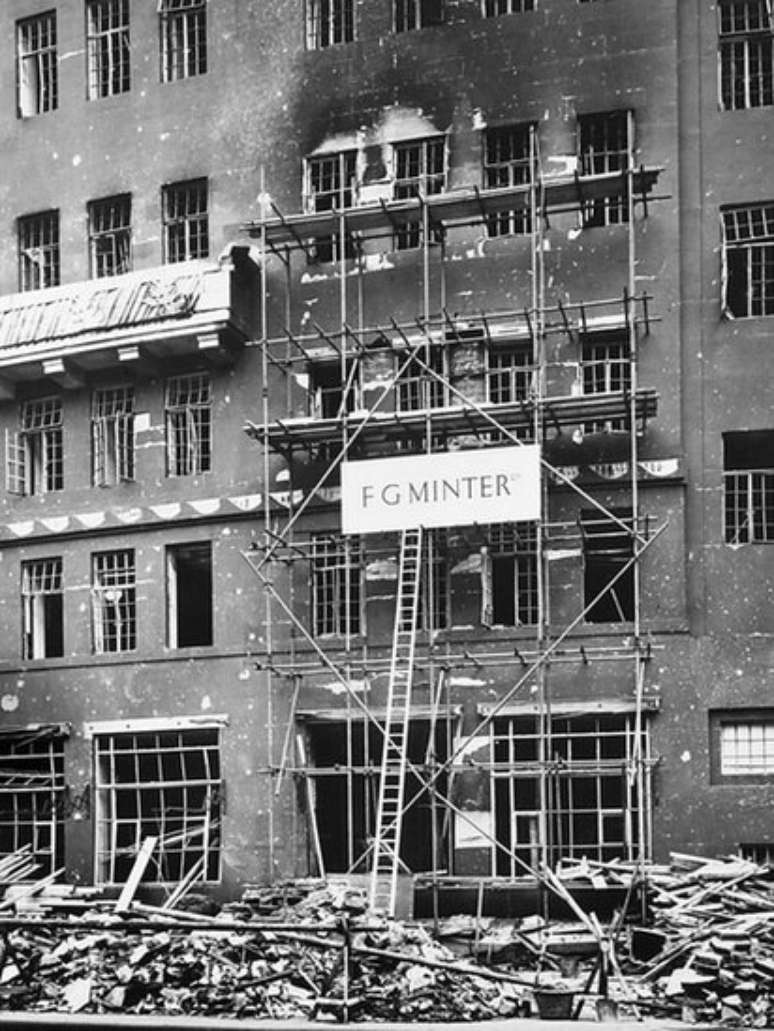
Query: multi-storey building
point(394, 231)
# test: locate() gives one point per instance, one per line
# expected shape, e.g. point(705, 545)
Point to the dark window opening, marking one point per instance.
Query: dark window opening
point(748, 486)
point(330, 396)
point(607, 547)
point(417, 14)
point(32, 789)
point(603, 147)
point(189, 572)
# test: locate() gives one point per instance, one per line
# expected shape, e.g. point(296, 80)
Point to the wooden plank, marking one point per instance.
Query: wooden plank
point(135, 874)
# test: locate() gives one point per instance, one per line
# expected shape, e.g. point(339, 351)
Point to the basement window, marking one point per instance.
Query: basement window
point(32, 792)
point(42, 599)
point(329, 22)
point(509, 580)
point(36, 65)
point(164, 784)
point(748, 260)
point(108, 50)
point(188, 418)
point(507, 163)
point(114, 602)
point(748, 487)
point(336, 572)
point(329, 187)
point(420, 170)
point(607, 548)
point(745, 54)
point(605, 369)
point(186, 221)
point(38, 250)
point(493, 8)
point(183, 38)
point(416, 14)
point(112, 436)
point(34, 459)
point(189, 595)
point(603, 147)
point(110, 236)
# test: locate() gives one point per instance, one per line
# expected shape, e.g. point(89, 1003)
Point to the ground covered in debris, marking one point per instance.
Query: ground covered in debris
point(312, 951)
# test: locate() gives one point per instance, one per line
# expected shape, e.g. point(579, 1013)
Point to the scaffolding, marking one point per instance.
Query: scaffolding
point(418, 406)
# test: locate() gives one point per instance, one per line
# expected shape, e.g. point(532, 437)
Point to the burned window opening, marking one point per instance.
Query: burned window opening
point(189, 595)
point(607, 547)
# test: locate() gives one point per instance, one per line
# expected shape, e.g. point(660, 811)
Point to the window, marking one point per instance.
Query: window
point(36, 65)
point(114, 602)
point(38, 250)
point(186, 233)
point(42, 609)
point(605, 369)
point(107, 47)
point(748, 260)
point(607, 547)
point(603, 142)
point(183, 39)
point(329, 22)
point(327, 390)
point(434, 595)
point(110, 236)
point(416, 388)
point(330, 181)
point(161, 783)
point(189, 595)
point(494, 7)
point(507, 163)
point(420, 170)
point(509, 576)
point(748, 487)
point(112, 436)
point(745, 51)
point(417, 14)
point(336, 587)
point(592, 801)
point(34, 459)
point(189, 424)
point(741, 746)
point(509, 373)
point(32, 790)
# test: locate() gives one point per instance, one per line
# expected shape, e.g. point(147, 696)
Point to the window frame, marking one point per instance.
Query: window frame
point(110, 235)
point(34, 454)
point(747, 259)
point(173, 553)
point(736, 58)
point(112, 436)
point(321, 18)
point(40, 784)
point(337, 587)
point(108, 49)
point(41, 580)
point(38, 250)
point(186, 231)
point(608, 556)
point(340, 170)
point(601, 131)
point(513, 546)
point(42, 57)
point(748, 488)
point(738, 718)
point(189, 425)
point(493, 8)
point(428, 180)
point(114, 619)
point(178, 20)
point(412, 15)
point(499, 172)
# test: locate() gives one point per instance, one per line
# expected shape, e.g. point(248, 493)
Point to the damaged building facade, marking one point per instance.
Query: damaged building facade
point(435, 237)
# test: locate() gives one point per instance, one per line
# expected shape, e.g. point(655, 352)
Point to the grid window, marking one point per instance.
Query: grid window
point(416, 388)
point(188, 420)
point(38, 237)
point(42, 609)
point(330, 182)
point(509, 576)
point(110, 236)
point(747, 749)
point(492, 8)
point(112, 436)
point(336, 586)
point(509, 374)
point(114, 602)
point(186, 228)
point(108, 48)
point(163, 784)
point(183, 39)
point(745, 54)
point(420, 170)
point(603, 143)
point(748, 260)
point(329, 22)
point(507, 163)
point(593, 803)
point(605, 369)
point(36, 65)
point(32, 790)
point(34, 458)
point(748, 481)
point(416, 14)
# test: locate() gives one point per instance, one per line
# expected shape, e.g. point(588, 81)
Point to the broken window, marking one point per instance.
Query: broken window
point(416, 14)
point(605, 369)
point(603, 146)
point(748, 487)
point(417, 389)
point(112, 435)
point(420, 170)
point(748, 260)
point(165, 784)
point(336, 585)
point(329, 22)
point(38, 237)
point(183, 38)
point(42, 609)
point(745, 54)
point(107, 47)
point(34, 458)
point(186, 225)
point(189, 595)
point(188, 417)
point(434, 596)
point(607, 548)
point(36, 65)
point(589, 806)
point(507, 162)
point(492, 8)
point(110, 236)
point(330, 395)
point(114, 602)
point(330, 184)
point(509, 576)
point(32, 789)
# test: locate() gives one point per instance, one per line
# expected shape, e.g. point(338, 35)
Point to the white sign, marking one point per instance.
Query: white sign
point(452, 488)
